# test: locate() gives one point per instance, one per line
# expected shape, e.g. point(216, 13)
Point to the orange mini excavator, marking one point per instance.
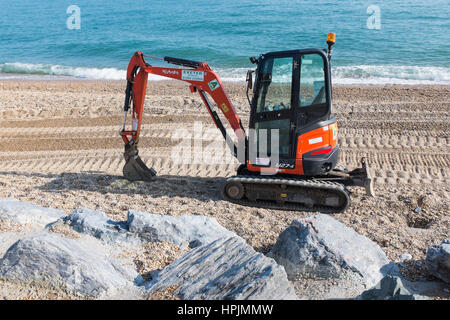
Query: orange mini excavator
point(288, 158)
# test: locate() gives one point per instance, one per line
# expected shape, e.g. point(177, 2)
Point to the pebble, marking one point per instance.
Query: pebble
point(405, 257)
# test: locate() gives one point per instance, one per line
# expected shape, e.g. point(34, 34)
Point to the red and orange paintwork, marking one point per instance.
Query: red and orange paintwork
point(140, 86)
point(329, 139)
point(327, 133)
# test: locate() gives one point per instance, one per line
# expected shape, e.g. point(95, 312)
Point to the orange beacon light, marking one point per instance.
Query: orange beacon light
point(331, 39)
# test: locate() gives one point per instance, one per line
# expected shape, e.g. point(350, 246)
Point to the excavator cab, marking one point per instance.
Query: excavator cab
point(291, 97)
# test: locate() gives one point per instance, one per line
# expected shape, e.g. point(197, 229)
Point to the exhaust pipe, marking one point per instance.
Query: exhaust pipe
point(134, 168)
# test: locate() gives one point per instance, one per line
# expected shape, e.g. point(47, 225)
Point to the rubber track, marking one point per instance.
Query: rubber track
point(314, 184)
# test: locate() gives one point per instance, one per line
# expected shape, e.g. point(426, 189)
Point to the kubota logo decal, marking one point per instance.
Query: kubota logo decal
point(165, 71)
point(213, 85)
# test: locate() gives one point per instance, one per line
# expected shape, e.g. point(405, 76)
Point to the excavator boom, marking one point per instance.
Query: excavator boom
point(202, 80)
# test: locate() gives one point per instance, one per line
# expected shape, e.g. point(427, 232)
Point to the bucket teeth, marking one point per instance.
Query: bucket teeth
point(134, 168)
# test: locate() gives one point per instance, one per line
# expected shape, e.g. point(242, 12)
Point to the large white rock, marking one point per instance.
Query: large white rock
point(80, 265)
point(438, 260)
point(97, 224)
point(183, 231)
point(320, 246)
point(28, 213)
point(227, 268)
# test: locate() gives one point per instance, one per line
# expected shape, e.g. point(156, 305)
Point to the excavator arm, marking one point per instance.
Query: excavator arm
point(202, 80)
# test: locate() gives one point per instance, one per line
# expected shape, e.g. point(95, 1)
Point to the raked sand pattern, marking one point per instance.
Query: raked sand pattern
point(60, 147)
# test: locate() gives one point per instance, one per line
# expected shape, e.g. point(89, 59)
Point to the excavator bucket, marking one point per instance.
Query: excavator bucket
point(134, 168)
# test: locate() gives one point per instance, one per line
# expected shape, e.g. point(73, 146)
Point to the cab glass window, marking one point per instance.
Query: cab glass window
point(276, 85)
point(312, 80)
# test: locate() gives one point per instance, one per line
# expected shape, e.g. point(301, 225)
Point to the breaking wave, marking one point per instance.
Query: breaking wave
point(365, 74)
point(360, 74)
point(59, 70)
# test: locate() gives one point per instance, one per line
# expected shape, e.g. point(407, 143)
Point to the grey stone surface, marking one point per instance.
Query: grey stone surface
point(320, 246)
point(438, 260)
point(390, 288)
point(184, 231)
point(79, 265)
point(427, 288)
point(28, 213)
point(227, 268)
point(405, 257)
point(97, 224)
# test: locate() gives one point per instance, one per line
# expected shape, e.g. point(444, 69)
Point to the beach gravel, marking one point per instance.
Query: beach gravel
point(60, 149)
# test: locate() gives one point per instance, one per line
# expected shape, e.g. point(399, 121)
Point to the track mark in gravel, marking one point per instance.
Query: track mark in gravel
point(401, 177)
point(114, 166)
point(414, 143)
point(401, 127)
point(382, 159)
point(165, 166)
point(171, 136)
point(387, 132)
point(63, 144)
point(113, 120)
point(394, 116)
point(352, 150)
point(392, 107)
point(349, 140)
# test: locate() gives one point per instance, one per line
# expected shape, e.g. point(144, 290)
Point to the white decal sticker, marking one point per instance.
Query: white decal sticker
point(192, 75)
point(213, 85)
point(262, 161)
point(315, 140)
point(334, 134)
point(284, 166)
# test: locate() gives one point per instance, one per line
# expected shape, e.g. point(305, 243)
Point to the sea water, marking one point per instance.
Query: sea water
point(396, 41)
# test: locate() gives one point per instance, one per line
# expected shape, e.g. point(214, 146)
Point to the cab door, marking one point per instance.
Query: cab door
point(273, 112)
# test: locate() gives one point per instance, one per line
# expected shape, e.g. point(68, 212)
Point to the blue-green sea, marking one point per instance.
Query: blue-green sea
point(396, 41)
